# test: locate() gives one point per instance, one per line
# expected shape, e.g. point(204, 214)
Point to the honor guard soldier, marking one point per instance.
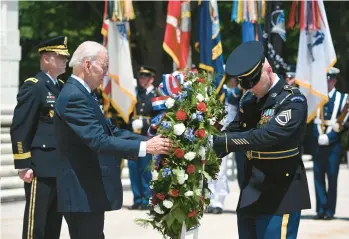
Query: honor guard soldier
point(140, 175)
point(291, 75)
point(269, 127)
point(34, 143)
point(327, 150)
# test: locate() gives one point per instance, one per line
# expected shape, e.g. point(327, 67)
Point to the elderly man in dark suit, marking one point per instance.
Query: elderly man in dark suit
point(90, 148)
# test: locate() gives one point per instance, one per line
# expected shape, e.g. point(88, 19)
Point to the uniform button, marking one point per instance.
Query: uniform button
point(287, 174)
point(325, 114)
point(141, 110)
point(143, 104)
point(244, 125)
point(51, 105)
point(44, 146)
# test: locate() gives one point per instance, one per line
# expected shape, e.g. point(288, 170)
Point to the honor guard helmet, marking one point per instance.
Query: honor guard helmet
point(245, 63)
point(332, 73)
point(146, 71)
point(56, 44)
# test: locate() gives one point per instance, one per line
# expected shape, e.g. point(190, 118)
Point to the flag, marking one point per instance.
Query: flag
point(177, 33)
point(209, 44)
point(275, 35)
point(316, 55)
point(122, 91)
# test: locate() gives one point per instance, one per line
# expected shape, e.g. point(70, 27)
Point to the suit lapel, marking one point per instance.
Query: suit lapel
point(99, 113)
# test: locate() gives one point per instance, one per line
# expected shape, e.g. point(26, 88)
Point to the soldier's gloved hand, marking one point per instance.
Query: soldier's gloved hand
point(323, 140)
point(335, 126)
point(137, 124)
point(317, 121)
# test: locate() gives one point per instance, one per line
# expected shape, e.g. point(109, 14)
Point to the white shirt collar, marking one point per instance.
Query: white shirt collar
point(275, 81)
point(149, 89)
point(330, 94)
point(82, 82)
point(53, 80)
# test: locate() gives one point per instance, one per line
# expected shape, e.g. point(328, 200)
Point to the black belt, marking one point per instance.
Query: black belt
point(272, 155)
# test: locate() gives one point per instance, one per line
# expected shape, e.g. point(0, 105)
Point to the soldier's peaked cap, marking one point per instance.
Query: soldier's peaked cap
point(56, 44)
point(245, 63)
point(147, 70)
point(332, 73)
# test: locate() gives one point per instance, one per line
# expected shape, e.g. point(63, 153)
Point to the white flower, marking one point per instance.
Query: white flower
point(193, 116)
point(154, 175)
point(151, 186)
point(187, 84)
point(137, 124)
point(189, 193)
point(158, 224)
point(200, 97)
point(169, 103)
point(206, 193)
point(167, 203)
point(212, 120)
point(198, 192)
point(179, 129)
point(158, 210)
point(202, 151)
point(190, 156)
point(181, 175)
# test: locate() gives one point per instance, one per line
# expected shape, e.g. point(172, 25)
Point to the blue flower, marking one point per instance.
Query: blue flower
point(166, 125)
point(200, 117)
point(189, 134)
point(166, 172)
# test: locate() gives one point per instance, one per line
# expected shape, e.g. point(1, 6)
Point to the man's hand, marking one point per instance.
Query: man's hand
point(323, 140)
point(158, 145)
point(26, 175)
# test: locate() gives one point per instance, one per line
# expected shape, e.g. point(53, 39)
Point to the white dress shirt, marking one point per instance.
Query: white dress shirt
point(143, 145)
point(55, 81)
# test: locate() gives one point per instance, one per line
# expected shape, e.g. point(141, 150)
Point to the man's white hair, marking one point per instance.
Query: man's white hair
point(86, 50)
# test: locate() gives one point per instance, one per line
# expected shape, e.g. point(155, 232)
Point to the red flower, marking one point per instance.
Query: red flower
point(179, 153)
point(160, 196)
point(201, 107)
point(192, 213)
point(194, 70)
point(174, 193)
point(153, 200)
point(200, 80)
point(191, 168)
point(203, 161)
point(163, 163)
point(181, 115)
point(200, 133)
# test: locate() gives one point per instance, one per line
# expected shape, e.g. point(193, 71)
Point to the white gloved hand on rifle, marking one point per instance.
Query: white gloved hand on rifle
point(323, 140)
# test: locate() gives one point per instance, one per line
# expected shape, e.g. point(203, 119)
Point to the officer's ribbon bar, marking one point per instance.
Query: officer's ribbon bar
point(158, 103)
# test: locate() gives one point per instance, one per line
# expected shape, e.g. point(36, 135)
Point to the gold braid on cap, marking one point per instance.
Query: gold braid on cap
point(251, 71)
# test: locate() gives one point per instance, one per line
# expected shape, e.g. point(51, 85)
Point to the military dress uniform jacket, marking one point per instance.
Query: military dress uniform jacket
point(270, 131)
point(32, 132)
point(144, 109)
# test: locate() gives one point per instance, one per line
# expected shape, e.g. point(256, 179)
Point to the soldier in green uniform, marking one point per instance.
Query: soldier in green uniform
point(269, 128)
point(34, 143)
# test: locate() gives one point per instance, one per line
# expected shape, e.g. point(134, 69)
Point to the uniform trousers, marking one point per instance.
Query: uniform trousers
point(326, 161)
point(85, 225)
point(140, 176)
point(41, 218)
point(268, 226)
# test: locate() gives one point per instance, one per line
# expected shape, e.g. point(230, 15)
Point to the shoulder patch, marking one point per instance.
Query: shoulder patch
point(297, 99)
point(61, 81)
point(32, 79)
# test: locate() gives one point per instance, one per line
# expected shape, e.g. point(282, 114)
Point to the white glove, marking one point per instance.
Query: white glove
point(323, 140)
point(335, 127)
point(137, 124)
point(317, 121)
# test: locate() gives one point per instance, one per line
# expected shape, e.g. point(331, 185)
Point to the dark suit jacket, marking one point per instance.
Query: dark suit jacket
point(89, 151)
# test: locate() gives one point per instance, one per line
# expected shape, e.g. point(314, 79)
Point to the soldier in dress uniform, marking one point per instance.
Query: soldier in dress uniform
point(34, 143)
point(291, 76)
point(140, 174)
point(272, 120)
point(327, 150)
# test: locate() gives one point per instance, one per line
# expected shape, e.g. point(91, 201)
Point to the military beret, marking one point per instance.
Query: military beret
point(147, 71)
point(291, 71)
point(246, 62)
point(56, 44)
point(332, 73)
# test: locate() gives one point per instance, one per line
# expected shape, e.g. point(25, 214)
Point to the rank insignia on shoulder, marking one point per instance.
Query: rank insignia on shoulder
point(32, 79)
point(283, 118)
point(297, 99)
